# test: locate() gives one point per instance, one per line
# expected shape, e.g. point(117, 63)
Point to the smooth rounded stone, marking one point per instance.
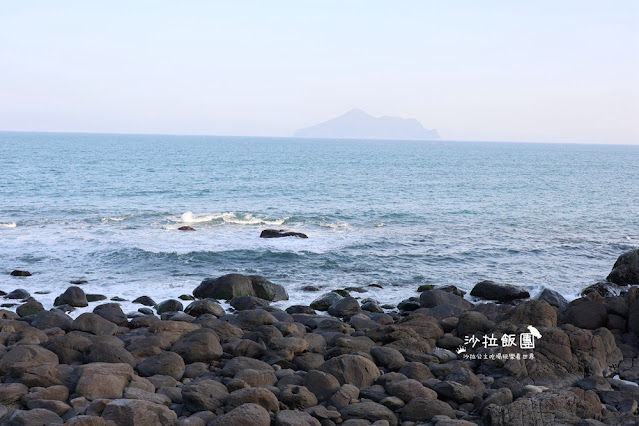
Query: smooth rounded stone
point(409, 305)
point(23, 357)
point(73, 296)
point(170, 305)
point(454, 391)
point(162, 381)
point(143, 384)
point(19, 273)
point(84, 420)
point(432, 298)
point(257, 378)
point(37, 416)
point(228, 286)
point(145, 321)
point(502, 396)
point(70, 347)
point(253, 319)
point(300, 309)
point(133, 412)
point(341, 345)
point(370, 411)
point(32, 307)
point(308, 361)
point(261, 396)
point(409, 389)
point(322, 384)
point(237, 364)
point(201, 307)
point(471, 322)
point(58, 407)
point(165, 363)
point(95, 324)
point(104, 352)
point(298, 397)
point(195, 370)
point(19, 293)
point(112, 312)
point(537, 313)
point(424, 409)
point(345, 307)
point(5, 314)
point(450, 342)
point(144, 300)
point(247, 303)
point(280, 233)
point(295, 418)
point(202, 345)
point(597, 383)
point(491, 290)
point(553, 298)
point(156, 398)
point(102, 380)
point(12, 392)
point(352, 369)
point(323, 302)
point(386, 356)
point(245, 415)
point(204, 395)
point(588, 314)
point(95, 297)
point(176, 316)
point(344, 396)
point(443, 355)
point(392, 402)
point(625, 271)
point(371, 305)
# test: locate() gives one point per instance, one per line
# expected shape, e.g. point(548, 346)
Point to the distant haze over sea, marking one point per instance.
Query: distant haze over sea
point(357, 124)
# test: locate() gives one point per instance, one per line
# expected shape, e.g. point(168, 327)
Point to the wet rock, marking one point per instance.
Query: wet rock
point(95, 324)
point(95, 297)
point(205, 395)
point(144, 300)
point(186, 228)
point(553, 298)
point(133, 412)
point(424, 409)
point(626, 269)
point(18, 273)
point(19, 293)
point(345, 307)
point(72, 296)
point(245, 303)
point(432, 298)
point(166, 363)
point(228, 286)
point(409, 305)
point(274, 233)
point(32, 307)
point(170, 305)
point(112, 312)
point(371, 305)
point(300, 309)
point(201, 345)
point(370, 411)
point(325, 301)
point(201, 307)
point(603, 289)
point(352, 369)
point(245, 415)
point(490, 290)
point(118, 299)
point(310, 288)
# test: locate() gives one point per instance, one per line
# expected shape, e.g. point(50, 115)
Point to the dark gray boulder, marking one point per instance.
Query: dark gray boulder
point(626, 269)
point(170, 305)
point(491, 290)
point(244, 303)
point(18, 273)
point(201, 307)
point(19, 293)
point(553, 298)
point(72, 296)
point(275, 233)
point(589, 314)
point(144, 300)
point(228, 286)
point(345, 307)
point(432, 298)
point(325, 301)
point(32, 307)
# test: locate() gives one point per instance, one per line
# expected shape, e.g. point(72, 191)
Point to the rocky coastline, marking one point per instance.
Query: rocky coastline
point(435, 359)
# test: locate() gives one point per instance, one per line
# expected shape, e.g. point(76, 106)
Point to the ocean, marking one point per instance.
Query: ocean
point(105, 208)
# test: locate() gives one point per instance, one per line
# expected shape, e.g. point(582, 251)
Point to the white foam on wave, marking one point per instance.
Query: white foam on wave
point(9, 225)
point(228, 218)
point(334, 225)
point(113, 219)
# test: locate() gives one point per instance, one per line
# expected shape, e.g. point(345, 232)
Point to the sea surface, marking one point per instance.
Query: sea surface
point(106, 208)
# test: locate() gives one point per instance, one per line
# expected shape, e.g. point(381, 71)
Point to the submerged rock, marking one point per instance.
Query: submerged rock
point(274, 233)
point(491, 290)
point(18, 273)
point(186, 228)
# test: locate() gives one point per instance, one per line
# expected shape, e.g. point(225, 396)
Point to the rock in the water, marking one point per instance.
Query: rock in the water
point(490, 290)
point(18, 273)
point(371, 305)
point(553, 298)
point(145, 300)
point(30, 308)
point(345, 307)
point(201, 307)
point(626, 269)
point(95, 297)
point(274, 233)
point(19, 293)
point(228, 286)
point(432, 298)
point(325, 301)
point(73, 296)
point(170, 305)
point(244, 303)
point(134, 412)
point(186, 228)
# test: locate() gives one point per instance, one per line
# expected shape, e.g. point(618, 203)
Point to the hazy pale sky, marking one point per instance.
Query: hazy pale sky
point(547, 71)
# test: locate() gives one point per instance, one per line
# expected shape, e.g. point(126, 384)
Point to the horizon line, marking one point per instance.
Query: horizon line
point(319, 138)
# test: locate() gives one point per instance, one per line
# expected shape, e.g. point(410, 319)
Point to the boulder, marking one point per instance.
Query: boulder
point(260, 396)
point(490, 290)
point(370, 411)
point(32, 307)
point(553, 298)
point(165, 363)
point(275, 233)
point(352, 369)
point(325, 301)
point(186, 228)
point(202, 345)
point(322, 384)
point(73, 296)
point(19, 273)
point(37, 416)
point(228, 286)
point(102, 380)
point(170, 305)
point(12, 392)
point(295, 418)
point(23, 357)
point(51, 319)
point(137, 412)
point(144, 300)
point(345, 307)
point(201, 307)
point(95, 324)
point(246, 303)
point(582, 313)
point(253, 319)
point(432, 298)
point(424, 409)
point(205, 395)
point(626, 269)
point(471, 322)
point(241, 363)
point(537, 313)
point(298, 397)
point(19, 293)
point(245, 415)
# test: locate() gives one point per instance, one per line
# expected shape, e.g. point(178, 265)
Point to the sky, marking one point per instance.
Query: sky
point(542, 71)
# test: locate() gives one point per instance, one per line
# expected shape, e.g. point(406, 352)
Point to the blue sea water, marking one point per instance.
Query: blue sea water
point(106, 208)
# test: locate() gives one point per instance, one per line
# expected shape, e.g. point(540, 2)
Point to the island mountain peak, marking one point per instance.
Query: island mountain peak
point(358, 124)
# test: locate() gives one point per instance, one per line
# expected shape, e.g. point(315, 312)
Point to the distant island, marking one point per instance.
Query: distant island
point(357, 124)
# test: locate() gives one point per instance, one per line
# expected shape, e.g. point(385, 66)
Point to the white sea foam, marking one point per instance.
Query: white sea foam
point(9, 225)
point(113, 219)
point(228, 218)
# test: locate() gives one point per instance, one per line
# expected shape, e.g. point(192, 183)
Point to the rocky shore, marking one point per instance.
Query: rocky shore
point(435, 359)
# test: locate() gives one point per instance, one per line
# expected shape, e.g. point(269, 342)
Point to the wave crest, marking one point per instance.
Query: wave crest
point(229, 218)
